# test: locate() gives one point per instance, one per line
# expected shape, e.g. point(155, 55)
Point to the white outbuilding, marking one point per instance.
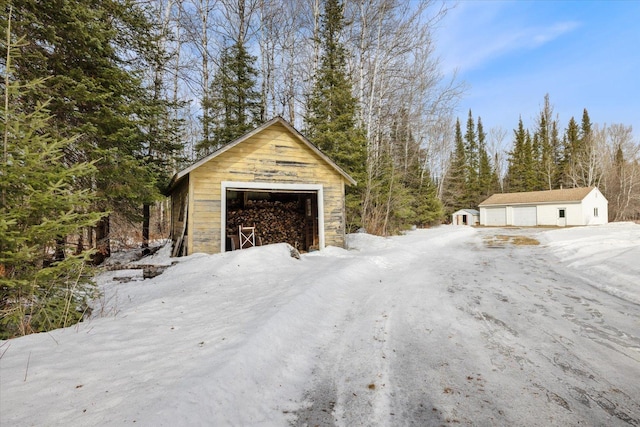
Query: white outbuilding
point(564, 207)
point(465, 217)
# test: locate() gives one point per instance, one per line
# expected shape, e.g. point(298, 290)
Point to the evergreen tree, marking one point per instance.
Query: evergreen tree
point(472, 188)
point(235, 104)
point(518, 161)
point(556, 145)
point(426, 207)
point(585, 129)
point(163, 147)
point(454, 187)
point(571, 153)
point(530, 165)
point(400, 192)
point(331, 107)
point(586, 168)
point(537, 175)
point(39, 205)
point(93, 55)
point(547, 132)
point(421, 205)
point(161, 152)
point(330, 121)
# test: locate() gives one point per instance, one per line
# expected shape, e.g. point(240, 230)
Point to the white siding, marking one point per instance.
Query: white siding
point(595, 200)
point(548, 214)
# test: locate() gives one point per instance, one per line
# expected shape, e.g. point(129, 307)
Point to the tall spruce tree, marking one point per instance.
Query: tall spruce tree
point(537, 175)
point(521, 170)
point(472, 187)
point(419, 205)
point(586, 167)
point(547, 132)
point(39, 205)
point(571, 153)
point(93, 55)
point(235, 102)
point(454, 187)
point(331, 119)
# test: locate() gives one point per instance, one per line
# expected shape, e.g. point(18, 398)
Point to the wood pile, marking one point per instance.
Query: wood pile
point(275, 221)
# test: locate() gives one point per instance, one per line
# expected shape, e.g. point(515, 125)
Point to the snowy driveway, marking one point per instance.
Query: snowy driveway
point(472, 329)
point(446, 326)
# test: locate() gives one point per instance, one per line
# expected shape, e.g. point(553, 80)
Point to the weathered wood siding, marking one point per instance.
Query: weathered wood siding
point(275, 156)
point(178, 216)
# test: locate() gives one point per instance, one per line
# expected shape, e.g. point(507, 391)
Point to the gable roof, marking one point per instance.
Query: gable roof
point(549, 196)
point(469, 211)
point(276, 120)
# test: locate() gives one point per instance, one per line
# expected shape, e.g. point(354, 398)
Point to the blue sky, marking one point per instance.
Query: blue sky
point(584, 54)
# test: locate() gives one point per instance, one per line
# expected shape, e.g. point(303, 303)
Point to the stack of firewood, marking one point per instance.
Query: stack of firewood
point(275, 222)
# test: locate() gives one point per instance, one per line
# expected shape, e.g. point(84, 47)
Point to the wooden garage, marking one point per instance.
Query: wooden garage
point(269, 186)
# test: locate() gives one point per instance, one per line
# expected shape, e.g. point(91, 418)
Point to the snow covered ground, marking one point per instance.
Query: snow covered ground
point(450, 325)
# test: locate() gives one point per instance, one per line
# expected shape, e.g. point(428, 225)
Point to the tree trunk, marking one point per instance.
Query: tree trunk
point(103, 243)
point(80, 247)
point(146, 219)
point(60, 245)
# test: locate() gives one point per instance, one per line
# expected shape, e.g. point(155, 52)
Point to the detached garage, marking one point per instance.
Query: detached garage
point(269, 186)
point(573, 206)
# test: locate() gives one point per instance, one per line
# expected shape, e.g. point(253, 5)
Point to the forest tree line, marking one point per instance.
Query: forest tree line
point(104, 101)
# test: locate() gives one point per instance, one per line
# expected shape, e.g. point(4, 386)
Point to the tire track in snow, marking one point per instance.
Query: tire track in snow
point(358, 368)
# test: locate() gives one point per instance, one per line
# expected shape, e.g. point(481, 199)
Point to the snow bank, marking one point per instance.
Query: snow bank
point(608, 255)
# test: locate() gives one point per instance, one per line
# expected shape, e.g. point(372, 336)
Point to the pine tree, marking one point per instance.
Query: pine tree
point(571, 153)
point(39, 205)
point(472, 157)
point(547, 132)
point(454, 187)
point(331, 107)
point(235, 103)
point(421, 205)
point(537, 175)
point(426, 208)
point(586, 167)
point(93, 54)
point(519, 160)
point(330, 122)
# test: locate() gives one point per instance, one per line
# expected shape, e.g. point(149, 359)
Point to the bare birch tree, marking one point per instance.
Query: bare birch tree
point(622, 178)
point(497, 136)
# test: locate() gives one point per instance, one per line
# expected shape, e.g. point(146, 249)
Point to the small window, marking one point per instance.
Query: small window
point(561, 213)
point(595, 212)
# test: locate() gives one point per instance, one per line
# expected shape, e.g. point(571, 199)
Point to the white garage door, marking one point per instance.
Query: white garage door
point(525, 216)
point(495, 216)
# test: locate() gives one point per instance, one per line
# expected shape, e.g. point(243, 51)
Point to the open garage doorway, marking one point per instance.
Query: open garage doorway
point(282, 213)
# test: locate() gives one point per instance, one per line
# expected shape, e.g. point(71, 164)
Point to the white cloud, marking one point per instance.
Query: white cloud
point(542, 36)
point(477, 33)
